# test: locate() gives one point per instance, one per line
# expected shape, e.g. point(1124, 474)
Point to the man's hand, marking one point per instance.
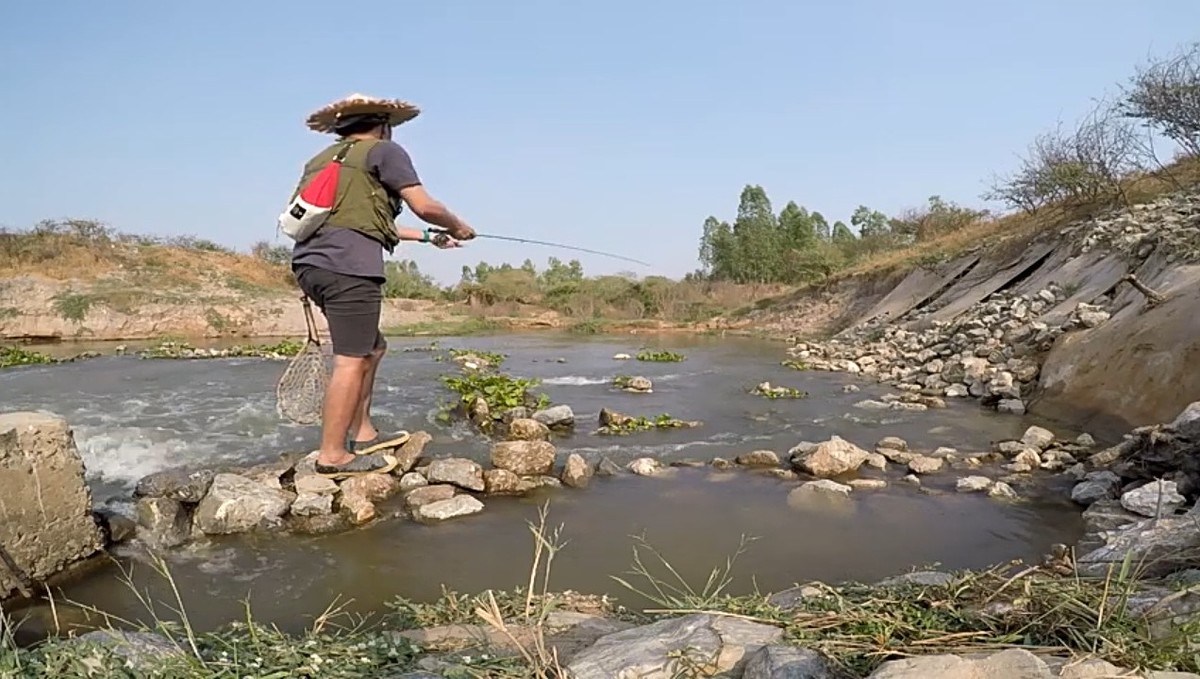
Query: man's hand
point(463, 232)
point(445, 242)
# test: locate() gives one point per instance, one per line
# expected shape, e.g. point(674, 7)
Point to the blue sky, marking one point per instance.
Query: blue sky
point(612, 125)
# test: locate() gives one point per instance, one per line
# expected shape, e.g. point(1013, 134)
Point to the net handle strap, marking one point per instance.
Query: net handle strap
point(309, 320)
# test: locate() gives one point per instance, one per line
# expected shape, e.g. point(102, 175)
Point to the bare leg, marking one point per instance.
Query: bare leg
point(342, 400)
point(362, 417)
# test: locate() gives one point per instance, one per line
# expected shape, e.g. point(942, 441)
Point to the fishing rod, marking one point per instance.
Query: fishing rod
point(555, 245)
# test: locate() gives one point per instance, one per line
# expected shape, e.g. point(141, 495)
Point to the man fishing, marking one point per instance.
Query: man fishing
point(340, 267)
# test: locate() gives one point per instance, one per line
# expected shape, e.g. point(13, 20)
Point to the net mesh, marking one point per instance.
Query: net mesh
point(300, 393)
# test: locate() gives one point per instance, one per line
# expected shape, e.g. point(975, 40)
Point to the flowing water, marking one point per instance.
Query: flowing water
point(132, 417)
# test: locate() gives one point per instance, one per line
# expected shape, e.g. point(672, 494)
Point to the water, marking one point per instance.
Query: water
point(133, 417)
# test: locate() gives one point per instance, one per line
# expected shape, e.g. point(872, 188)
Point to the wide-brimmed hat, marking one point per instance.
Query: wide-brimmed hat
point(342, 111)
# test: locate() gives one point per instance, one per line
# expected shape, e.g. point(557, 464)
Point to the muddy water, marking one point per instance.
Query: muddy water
point(133, 417)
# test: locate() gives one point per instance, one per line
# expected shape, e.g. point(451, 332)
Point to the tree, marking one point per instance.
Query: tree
point(1164, 96)
point(842, 235)
point(798, 226)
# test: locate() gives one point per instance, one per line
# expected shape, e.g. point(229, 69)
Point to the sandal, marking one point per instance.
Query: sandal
point(380, 442)
point(361, 465)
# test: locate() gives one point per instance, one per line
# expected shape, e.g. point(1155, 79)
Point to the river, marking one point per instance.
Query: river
point(132, 417)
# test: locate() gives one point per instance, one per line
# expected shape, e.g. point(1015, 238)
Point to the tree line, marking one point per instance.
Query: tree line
point(1089, 164)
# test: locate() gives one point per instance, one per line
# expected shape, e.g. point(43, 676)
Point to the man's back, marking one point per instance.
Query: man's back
point(344, 247)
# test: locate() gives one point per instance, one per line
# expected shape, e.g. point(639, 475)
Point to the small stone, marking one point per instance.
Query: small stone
point(526, 429)
point(427, 494)
point(644, 466)
point(721, 463)
point(1002, 491)
point(501, 482)
point(312, 504)
point(524, 458)
point(460, 472)
point(850, 389)
point(913, 479)
point(608, 468)
point(444, 510)
point(759, 458)
point(577, 473)
point(1037, 437)
point(621, 357)
point(1085, 440)
point(374, 487)
point(314, 484)
point(892, 443)
point(973, 484)
point(867, 484)
point(821, 487)
point(876, 460)
point(412, 480)
point(1012, 406)
point(782, 474)
point(923, 464)
point(1096, 486)
point(555, 417)
point(1145, 500)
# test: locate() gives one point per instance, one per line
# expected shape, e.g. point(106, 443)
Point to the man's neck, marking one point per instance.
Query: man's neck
point(365, 136)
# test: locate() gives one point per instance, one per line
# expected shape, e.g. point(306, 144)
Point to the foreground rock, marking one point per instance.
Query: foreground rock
point(236, 504)
point(1009, 664)
point(46, 522)
point(831, 458)
point(694, 645)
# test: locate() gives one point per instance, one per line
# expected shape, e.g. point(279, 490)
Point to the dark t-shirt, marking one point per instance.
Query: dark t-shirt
point(347, 251)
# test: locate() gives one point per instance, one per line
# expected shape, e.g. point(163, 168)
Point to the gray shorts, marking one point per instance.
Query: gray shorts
point(352, 306)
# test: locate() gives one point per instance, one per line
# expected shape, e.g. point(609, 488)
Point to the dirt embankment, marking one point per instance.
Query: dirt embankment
point(1112, 352)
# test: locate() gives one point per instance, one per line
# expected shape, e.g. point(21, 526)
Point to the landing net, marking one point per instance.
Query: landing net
point(300, 394)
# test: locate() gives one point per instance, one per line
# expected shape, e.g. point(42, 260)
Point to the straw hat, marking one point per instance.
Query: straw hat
point(328, 118)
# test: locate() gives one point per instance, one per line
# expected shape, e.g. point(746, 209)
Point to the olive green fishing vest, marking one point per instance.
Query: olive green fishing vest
point(362, 203)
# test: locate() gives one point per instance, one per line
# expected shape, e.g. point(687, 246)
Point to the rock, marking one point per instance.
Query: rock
point(1158, 547)
point(1160, 498)
point(787, 662)
point(1096, 486)
point(721, 463)
point(832, 458)
point(501, 482)
point(413, 480)
point(311, 504)
point(867, 484)
point(314, 484)
point(850, 389)
point(640, 385)
point(919, 578)
point(716, 643)
point(1002, 491)
point(957, 391)
point(524, 458)
point(532, 483)
point(408, 454)
point(1013, 406)
point(973, 484)
point(374, 487)
point(1085, 440)
point(892, 443)
point(923, 464)
point(913, 479)
point(644, 466)
point(235, 504)
point(1037, 437)
point(444, 510)
point(143, 652)
point(621, 357)
point(320, 524)
point(176, 484)
point(1009, 664)
point(163, 522)
point(357, 508)
point(428, 494)
point(115, 526)
point(555, 417)
point(877, 461)
point(577, 473)
point(47, 521)
point(608, 468)
point(1187, 423)
point(759, 458)
point(1029, 458)
point(457, 471)
point(528, 430)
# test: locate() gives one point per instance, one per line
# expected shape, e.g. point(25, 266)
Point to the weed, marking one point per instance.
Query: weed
point(660, 356)
point(14, 356)
point(499, 391)
point(72, 306)
point(619, 425)
point(767, 391)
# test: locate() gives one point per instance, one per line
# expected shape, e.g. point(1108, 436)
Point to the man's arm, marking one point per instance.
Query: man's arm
point(434, 212)
point(395, 169)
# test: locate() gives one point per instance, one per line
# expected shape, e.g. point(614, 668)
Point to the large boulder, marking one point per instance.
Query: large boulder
point(834, 457)
point(46, 519)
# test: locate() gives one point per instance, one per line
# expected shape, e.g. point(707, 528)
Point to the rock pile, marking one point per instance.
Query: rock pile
point(1169, 221)
point(990, 352)
point(174, 507)
point(1138, 494)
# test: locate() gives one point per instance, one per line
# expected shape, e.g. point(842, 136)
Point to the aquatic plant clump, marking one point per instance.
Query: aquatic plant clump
point(619, 426)
point(766, 390)
point(660, 356)
point(476, 359)
point(794, 365)
point(181, 350)
point(14, 356)
point(498, 391)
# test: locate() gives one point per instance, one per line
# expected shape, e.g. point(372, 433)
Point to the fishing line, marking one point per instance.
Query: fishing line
point(559, 245)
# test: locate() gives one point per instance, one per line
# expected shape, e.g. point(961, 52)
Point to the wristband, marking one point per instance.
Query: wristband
point(425, 236)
